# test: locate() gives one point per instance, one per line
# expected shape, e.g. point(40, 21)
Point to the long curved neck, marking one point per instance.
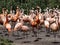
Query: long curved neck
point(17, 13)
point(57, 21)
point(6, 18)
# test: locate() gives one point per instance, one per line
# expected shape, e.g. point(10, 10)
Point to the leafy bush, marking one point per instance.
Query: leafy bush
point(28, 4)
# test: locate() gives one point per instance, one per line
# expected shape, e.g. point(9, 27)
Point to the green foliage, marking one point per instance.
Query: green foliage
point(28, 4)
point(4, 41)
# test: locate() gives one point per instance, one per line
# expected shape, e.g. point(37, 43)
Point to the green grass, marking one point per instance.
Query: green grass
point(4, 41)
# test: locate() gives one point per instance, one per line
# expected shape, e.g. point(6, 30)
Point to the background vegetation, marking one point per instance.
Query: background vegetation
point(28, 4)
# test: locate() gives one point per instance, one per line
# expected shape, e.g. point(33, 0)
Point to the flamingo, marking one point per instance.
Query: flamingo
point(25, 28)
point(26, 18)
point(34, 25)
point(7, 25)
point(18, 25)
point(47, 23)
point(2, 16)
point(15, 17)
point(54, 27)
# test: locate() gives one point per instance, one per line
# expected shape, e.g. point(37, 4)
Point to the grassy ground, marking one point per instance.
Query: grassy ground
point(4, 41)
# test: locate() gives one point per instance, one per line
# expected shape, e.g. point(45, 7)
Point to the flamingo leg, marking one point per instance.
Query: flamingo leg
point(9, 32)
point(34, 32)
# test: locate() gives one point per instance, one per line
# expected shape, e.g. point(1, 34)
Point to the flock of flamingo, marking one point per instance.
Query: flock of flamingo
point(50, 19)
